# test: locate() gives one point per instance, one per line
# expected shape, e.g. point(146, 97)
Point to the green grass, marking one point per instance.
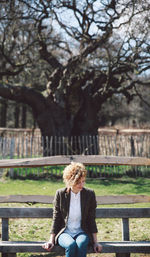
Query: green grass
point(112, 186)
point(15, 187)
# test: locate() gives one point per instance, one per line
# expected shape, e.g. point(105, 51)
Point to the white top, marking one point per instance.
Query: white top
point(74, 220)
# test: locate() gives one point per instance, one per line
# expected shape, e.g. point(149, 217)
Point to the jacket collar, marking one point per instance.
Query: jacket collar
point(83, 199)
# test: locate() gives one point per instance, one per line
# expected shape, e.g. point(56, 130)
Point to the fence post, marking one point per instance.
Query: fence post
point(12, 150)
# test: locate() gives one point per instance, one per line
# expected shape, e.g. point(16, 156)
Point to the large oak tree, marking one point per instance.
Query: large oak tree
point(66, 58)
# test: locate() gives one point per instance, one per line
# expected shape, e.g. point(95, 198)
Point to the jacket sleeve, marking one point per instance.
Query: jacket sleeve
point(92, 227)
point(57, 216)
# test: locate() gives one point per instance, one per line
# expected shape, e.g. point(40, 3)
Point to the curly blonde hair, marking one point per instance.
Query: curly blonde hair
point(73, 173)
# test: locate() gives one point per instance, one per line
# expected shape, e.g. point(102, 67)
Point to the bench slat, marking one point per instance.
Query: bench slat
point(26, 212)
point(48, 199)
point(123, 212)
point(108, 247)
point(100, 212)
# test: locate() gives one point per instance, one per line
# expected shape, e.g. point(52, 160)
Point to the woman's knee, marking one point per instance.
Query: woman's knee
point(72, 245)
point(82, 240)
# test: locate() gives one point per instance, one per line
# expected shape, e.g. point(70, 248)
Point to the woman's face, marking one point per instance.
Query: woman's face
point(78, 186)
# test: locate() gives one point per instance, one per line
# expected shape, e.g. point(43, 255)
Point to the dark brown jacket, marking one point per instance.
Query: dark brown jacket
point(61, 211)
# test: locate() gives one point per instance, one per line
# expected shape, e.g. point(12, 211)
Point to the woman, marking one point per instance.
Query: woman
point(74, 225)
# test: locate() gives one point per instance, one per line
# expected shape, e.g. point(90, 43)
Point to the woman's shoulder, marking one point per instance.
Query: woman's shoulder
point(60, 193)
point(61, 190)
point(89, 190)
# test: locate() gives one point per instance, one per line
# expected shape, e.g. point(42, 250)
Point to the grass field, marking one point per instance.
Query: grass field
point(115, 186)
point(35, 229)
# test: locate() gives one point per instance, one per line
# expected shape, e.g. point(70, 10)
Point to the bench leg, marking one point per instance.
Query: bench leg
point(9, 255)
point(122, 254)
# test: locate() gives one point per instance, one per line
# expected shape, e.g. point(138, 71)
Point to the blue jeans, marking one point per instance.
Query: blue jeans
point(74, 247)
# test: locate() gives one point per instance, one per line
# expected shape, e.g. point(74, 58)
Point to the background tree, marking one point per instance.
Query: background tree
point(66, 58)
point(116, 112)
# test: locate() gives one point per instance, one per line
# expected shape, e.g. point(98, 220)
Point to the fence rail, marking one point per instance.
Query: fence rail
point(65, 160)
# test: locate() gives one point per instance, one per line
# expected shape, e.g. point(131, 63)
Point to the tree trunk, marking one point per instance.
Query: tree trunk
point(57, 125)
point(3, 113)
point(73, 116)
point(16, 115)
point(24, 116)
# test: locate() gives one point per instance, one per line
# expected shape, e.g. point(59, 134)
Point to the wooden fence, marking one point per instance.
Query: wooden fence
point(109, 142)
point(111, 145)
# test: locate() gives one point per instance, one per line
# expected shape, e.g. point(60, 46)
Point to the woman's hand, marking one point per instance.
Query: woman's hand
point(97, 247)
point(48, 246)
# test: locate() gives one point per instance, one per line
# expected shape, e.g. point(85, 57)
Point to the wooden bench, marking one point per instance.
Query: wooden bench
point(122, 248)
